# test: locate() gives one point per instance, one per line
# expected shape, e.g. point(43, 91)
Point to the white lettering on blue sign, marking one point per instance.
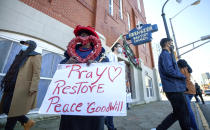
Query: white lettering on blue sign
point(143, 35)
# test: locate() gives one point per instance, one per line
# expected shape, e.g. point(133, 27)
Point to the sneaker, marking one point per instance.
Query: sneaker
point(153, 129)
point(29, 124)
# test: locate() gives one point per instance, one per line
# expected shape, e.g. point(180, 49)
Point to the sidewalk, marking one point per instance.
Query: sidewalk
point(147, 116)
point(139, 117)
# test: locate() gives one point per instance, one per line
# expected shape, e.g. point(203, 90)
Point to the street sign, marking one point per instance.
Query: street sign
point(141, 35)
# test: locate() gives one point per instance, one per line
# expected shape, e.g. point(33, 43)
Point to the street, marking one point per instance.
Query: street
point(206, 108)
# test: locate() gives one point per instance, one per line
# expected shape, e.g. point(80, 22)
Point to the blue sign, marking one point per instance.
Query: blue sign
point(141, 35)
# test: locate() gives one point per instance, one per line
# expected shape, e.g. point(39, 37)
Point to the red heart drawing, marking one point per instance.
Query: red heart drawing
point(116, 74)
point(71, 48)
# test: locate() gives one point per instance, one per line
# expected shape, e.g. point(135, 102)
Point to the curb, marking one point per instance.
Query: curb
point(203, 119)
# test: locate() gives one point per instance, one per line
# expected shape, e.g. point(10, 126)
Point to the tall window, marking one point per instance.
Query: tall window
point(50, 60)
point(111, 7)
point(129, 23)
point(139, 5)
point(120, 9)
point(149, 86)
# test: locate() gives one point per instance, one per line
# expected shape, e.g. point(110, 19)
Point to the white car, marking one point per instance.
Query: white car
point(207, 92)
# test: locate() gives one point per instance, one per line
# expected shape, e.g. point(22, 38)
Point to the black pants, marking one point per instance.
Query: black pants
point(201, 97)
point(109, 122)
point(81, 122)
point(180, 112)
point(11, 121)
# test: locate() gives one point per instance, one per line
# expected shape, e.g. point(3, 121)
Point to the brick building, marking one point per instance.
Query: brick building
point(51, 22)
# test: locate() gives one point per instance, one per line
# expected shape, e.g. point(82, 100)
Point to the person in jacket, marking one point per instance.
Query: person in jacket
point(186, 70)
point(198, 93)
point(174, 86)
point(72, 122)
point(20, 86)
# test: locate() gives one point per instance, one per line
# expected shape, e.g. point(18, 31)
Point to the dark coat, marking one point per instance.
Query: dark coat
point(172, 79)
point(198, 89)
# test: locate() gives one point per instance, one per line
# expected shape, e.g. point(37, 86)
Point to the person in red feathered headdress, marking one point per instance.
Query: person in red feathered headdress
point(78, 52)
point(81, 29)
point(85, 47)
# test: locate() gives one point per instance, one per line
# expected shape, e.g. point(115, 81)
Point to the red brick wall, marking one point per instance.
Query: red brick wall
point(70, 12)
point(96, 13)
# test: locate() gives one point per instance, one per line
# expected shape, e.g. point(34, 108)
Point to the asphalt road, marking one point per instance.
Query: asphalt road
point(206, 108)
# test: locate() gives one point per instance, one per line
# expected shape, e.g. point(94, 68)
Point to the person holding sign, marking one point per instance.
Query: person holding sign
point(20, 86)
point(85, 48)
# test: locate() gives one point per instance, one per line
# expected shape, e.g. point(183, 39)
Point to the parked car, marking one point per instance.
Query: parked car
point(207, 92)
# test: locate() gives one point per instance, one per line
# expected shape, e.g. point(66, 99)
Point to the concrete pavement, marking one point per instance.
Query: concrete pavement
point(139, 117)
point(205, 108)
point(147, 116)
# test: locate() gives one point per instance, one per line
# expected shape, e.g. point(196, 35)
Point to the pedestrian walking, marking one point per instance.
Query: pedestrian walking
point(20, 86)
point(198, 93)
point(174, 85)
point(186, 70)
point(70, 122)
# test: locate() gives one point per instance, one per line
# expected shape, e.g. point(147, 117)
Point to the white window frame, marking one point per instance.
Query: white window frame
point(148, 82)
point(111, 7)
point(139, 5)
point(120, 9)
point(129, 23)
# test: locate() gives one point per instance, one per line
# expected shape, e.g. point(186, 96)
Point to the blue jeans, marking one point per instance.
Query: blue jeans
point(192, 116)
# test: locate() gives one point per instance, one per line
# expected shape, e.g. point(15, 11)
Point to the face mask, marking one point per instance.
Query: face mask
point(24, 47)
point(171, 47)
point(119, 50)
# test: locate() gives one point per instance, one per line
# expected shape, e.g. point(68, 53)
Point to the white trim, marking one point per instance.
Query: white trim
point(40, 44)
point(30, 112)
point(45, 78)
